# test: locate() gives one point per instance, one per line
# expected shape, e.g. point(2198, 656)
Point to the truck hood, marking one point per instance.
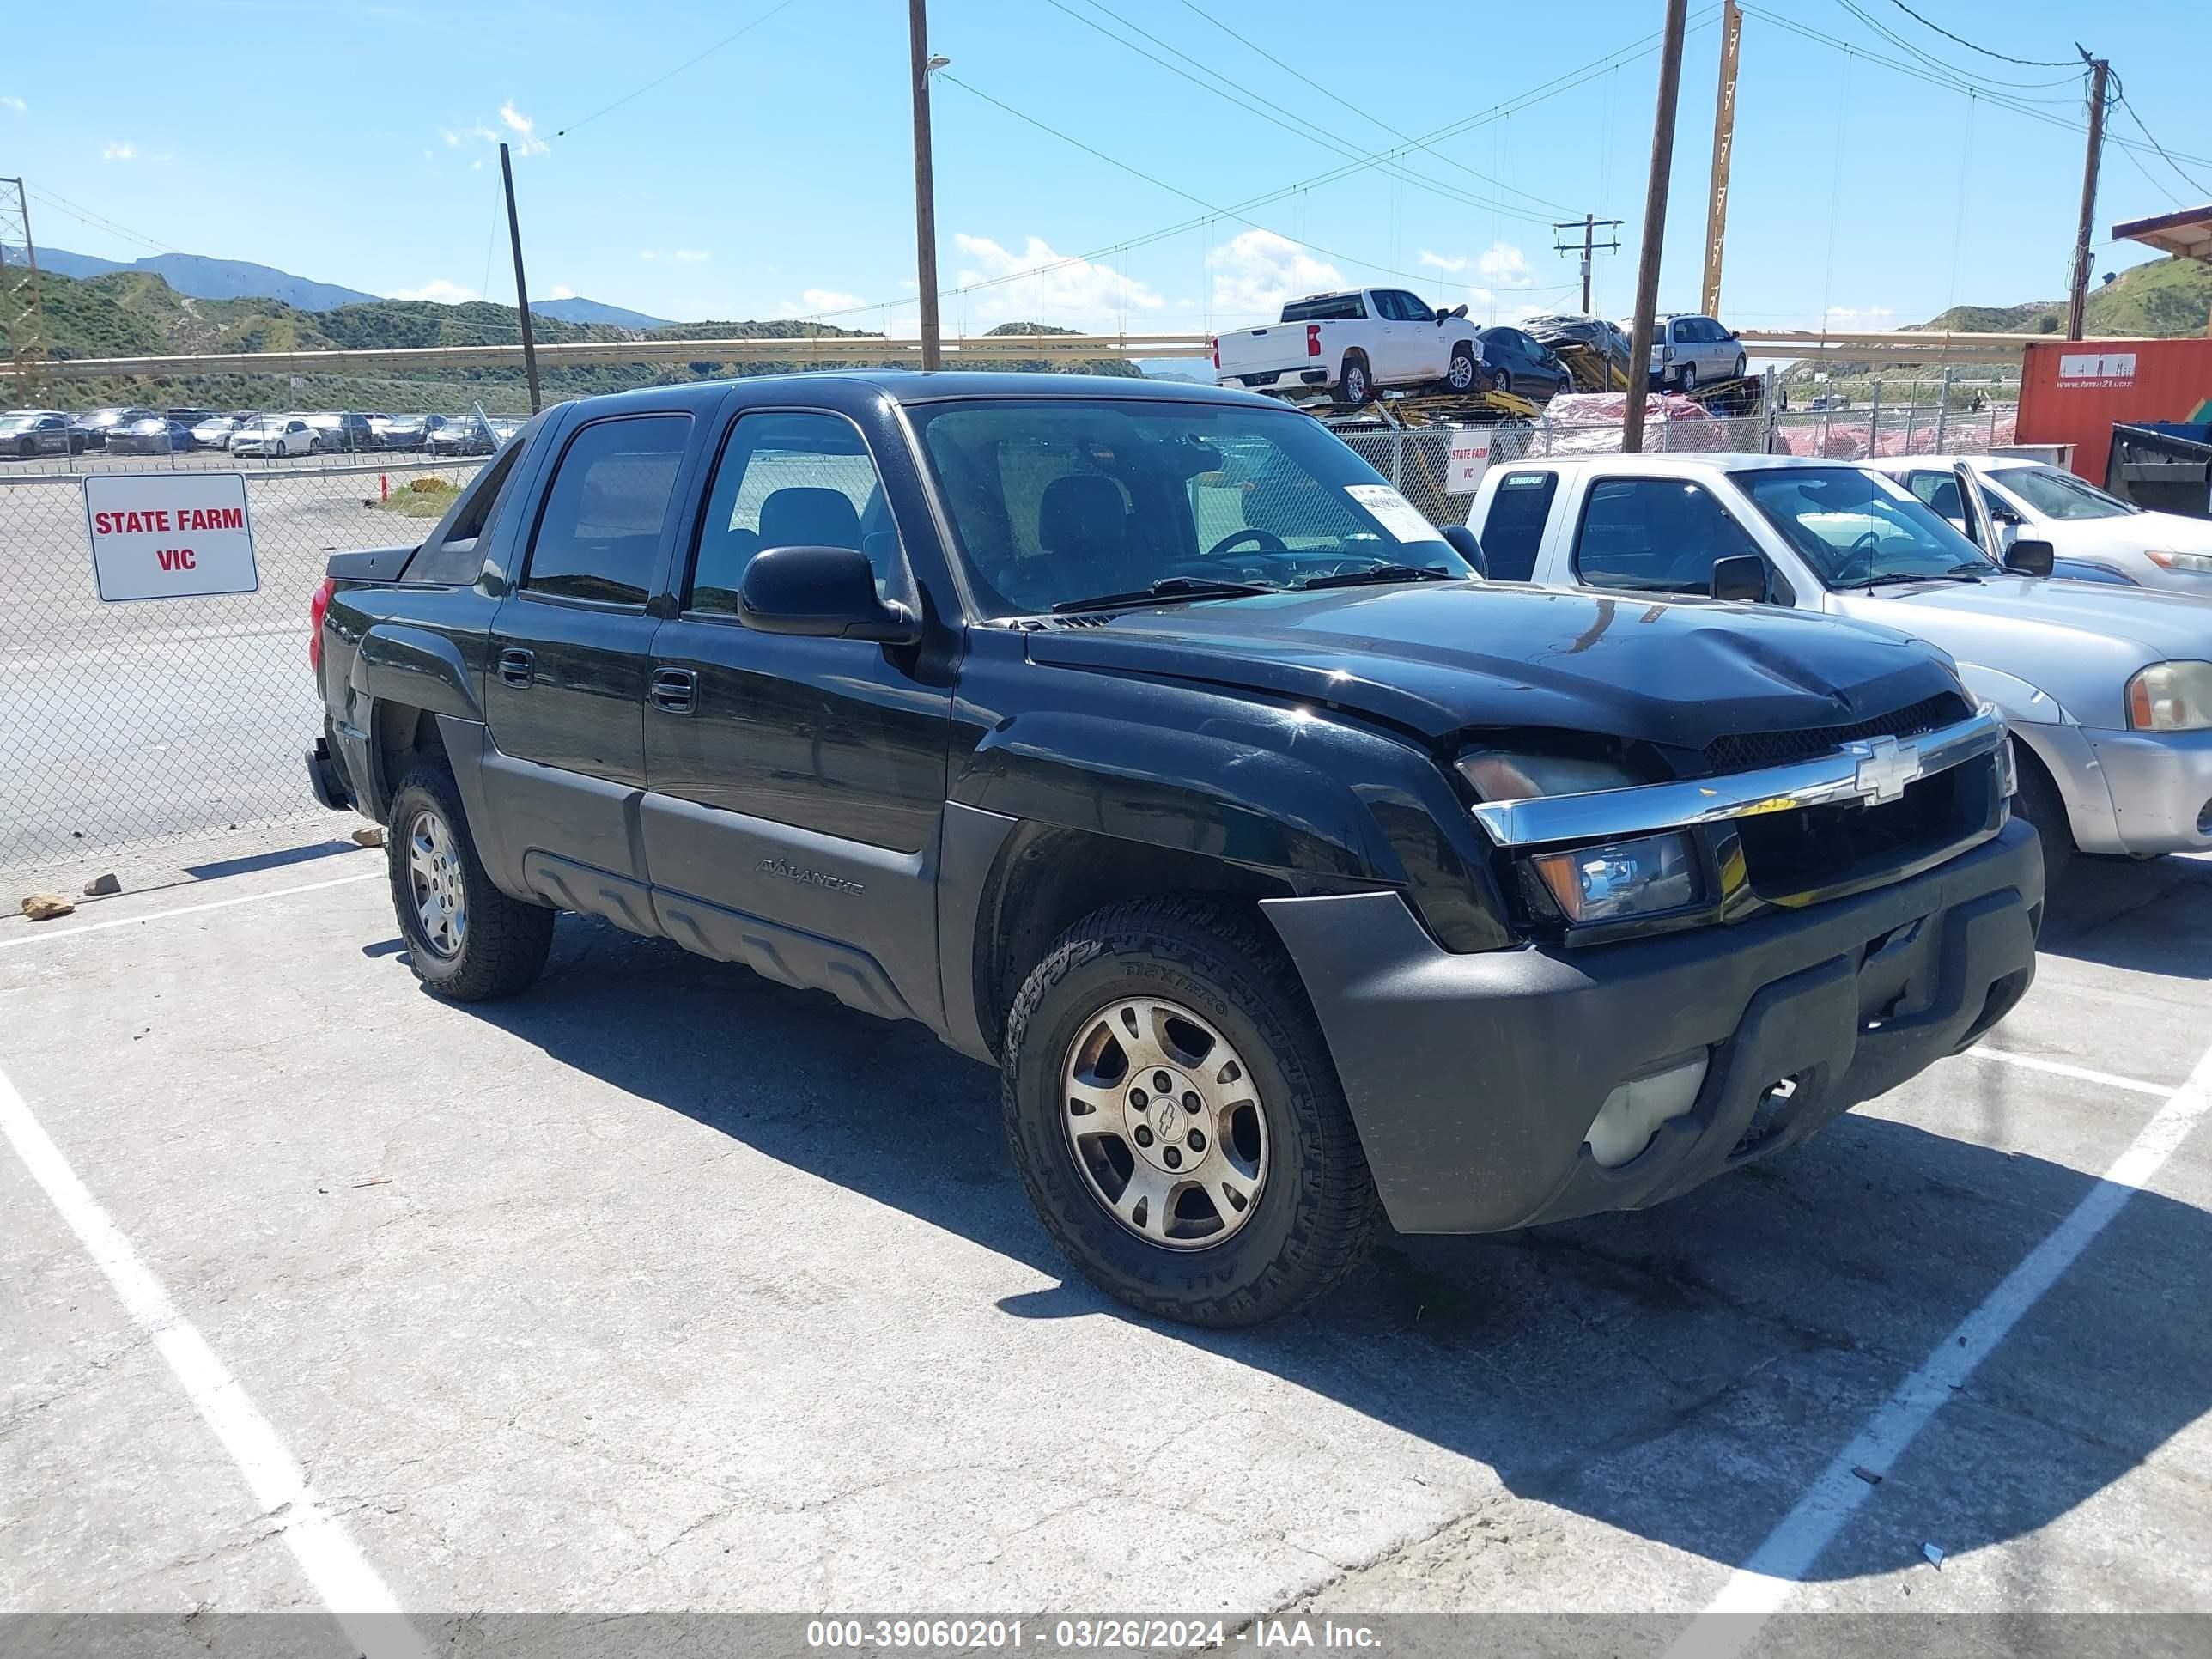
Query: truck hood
point(2161, 625)
point(1439, 659)
point(2132, 533)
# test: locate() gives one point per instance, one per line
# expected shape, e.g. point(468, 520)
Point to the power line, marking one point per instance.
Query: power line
point(85, 216)
point(2002, 99)
point(2025, 62)
point(1303, 129)
point(2121, 100)
point(1291, 70)
point(783, 5)
point(1933, 62)
point(1566, 82)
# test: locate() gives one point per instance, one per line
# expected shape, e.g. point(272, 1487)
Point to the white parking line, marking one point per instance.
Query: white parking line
point(2060, 1068)
point(334, 1564)
point(44, 936)
point(1759, 1587)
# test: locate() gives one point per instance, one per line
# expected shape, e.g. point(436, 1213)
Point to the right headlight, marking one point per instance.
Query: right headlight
point(1622, 879)
point(2171, 696)
point(2194, 564)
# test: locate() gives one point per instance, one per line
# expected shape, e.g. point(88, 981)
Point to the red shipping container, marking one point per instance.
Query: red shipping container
point(2071, 392)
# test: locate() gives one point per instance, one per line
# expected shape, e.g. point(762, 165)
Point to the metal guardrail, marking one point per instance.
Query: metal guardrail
point(1882, 346)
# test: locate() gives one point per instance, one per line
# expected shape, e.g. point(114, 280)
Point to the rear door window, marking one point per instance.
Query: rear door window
point(598, 537)
point(1515, 529)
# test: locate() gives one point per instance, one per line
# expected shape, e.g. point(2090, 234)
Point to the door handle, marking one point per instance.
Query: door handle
point(674, 690)
point(514, 667)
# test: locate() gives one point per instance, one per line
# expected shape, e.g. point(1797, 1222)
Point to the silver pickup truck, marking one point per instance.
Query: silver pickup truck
point(2108, 689)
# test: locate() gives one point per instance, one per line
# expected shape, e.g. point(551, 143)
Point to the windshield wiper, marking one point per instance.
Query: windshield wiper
point(1166, 589)
point(1952, 576)
point(1380, 573)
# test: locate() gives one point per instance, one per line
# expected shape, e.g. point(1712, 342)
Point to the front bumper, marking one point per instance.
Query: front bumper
point(2161, 789)
point(1473, 1079)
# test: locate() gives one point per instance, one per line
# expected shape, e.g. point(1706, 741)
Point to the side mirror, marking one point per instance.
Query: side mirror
point(1742, 576)
point(2031, 558)
point(1464, 544)
point(827, 592)
point(1456, 311)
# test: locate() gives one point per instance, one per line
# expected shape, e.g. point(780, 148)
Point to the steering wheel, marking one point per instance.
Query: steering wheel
point(1267, 540)
point(1868, 542)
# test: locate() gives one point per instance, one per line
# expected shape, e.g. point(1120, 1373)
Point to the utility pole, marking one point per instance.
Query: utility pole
point(925, 182)
point(521, 288)
point(1589, 224)
point(1724, 146)
point(21, 316)
point(1655, 224)
point(2079, 295)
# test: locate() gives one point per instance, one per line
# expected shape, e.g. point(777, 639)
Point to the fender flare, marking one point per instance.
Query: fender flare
point(416, 667)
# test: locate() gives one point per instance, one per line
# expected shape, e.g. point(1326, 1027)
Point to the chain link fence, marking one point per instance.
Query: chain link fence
point(135, 723)
point(1416, 459)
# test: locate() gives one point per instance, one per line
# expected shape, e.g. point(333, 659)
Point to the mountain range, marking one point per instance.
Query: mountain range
point(199, 278)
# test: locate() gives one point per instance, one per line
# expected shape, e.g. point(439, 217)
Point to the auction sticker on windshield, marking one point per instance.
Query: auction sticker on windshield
point(169, 535)
point(1392, 511)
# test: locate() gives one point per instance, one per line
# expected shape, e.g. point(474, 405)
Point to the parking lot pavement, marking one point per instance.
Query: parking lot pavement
point(664, 1287)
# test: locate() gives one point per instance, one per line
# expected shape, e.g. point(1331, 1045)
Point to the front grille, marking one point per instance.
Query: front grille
point(1810, 849)
point(1746, 752)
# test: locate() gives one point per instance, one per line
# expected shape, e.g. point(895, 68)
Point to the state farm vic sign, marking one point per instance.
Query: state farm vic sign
point(169, 535)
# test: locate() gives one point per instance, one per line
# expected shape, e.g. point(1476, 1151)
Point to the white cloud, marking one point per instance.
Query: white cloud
point(562, 291)
point(1256, 271)
point(1047, 287)
point(15, 104)
point(829, 299)
point(1505, 265)
point(438, 292)
point(1855, 317)
point(120, 151)
point(1441, 262)
point(449, 135)
point(518, 122)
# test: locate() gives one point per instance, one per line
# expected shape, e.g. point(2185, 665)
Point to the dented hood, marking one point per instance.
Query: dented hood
point(1439, 659)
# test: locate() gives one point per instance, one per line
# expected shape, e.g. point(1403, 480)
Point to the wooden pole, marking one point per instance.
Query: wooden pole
point(1724, 146)
point(924, 186)
point(1655, 224)
point(2079, 298)
point(522, 288)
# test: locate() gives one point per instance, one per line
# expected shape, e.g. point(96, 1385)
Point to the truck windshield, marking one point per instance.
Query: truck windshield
point(1057, 500)
point(1858, 530)
point(2056, 494)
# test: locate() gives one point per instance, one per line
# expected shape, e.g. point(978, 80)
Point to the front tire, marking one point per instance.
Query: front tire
point(466, 940)
point(2039, 802)
point(1459, 373)
point(1502, 381)
point(1234, 1193)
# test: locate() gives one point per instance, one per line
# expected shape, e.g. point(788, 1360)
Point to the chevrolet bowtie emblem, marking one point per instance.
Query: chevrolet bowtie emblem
point(1885, 766)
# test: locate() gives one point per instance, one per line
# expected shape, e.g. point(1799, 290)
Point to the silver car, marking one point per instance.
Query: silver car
point(2107, 688)
point(1688, 351)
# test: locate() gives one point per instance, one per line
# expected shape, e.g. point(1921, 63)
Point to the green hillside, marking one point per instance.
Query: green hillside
point(2163, 297)
point(137, 313)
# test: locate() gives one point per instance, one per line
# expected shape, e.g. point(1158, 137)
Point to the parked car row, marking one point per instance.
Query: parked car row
point(128, 430)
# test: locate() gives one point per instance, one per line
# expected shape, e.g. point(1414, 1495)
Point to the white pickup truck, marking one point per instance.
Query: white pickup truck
point(1354, 343)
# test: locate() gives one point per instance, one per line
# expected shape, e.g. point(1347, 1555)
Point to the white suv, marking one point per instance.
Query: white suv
point(1690, 352)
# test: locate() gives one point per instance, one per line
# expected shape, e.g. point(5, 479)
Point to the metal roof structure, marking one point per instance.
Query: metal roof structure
point(2187, 233)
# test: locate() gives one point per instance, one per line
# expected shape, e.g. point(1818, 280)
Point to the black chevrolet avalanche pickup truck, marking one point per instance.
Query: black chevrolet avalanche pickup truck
point(1141, 740)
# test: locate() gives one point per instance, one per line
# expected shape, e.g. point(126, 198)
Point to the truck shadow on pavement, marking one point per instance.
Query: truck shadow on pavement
point(1682, 1373)
point(2155, 915)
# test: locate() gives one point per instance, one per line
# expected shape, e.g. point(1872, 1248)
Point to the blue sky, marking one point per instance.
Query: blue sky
point(354, 143)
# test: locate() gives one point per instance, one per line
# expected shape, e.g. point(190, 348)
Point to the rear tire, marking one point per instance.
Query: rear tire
point(1354, 384)
point(1265, 1200)
point(1688, 380)
point(466, 940)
